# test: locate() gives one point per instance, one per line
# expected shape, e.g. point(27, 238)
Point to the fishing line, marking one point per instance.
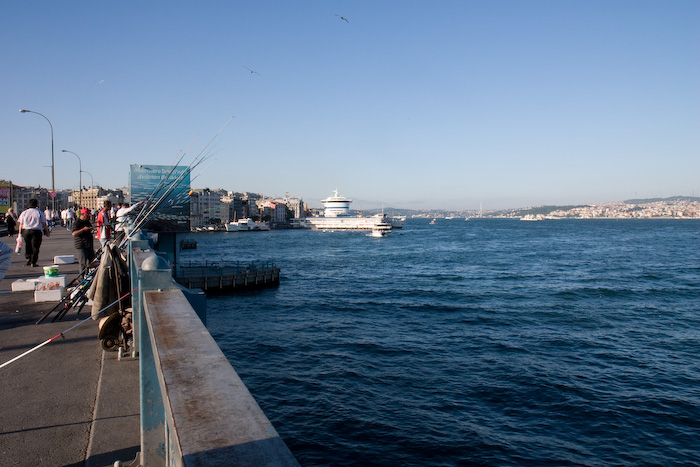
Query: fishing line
point(156, 207)
point(168, 173)
point(148, 212)
point(145, 213)
point(175, 183)
point(160, 203)
point(170, 189)
point(62, 334)
point(203, 170)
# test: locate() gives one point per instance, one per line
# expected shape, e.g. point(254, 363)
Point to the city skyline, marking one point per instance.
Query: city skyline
point(421, 104)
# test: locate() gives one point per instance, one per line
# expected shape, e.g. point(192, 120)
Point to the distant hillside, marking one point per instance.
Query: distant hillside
point(657, 200)
point(512, 212)
point(544, 210)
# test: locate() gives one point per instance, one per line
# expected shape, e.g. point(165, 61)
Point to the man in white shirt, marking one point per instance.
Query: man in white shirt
point(64, 218)
point(48, 214)
point(71, 218)
point(31, 223)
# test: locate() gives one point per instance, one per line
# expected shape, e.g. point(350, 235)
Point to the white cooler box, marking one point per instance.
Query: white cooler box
point(50, 283)
point(54, 295)
point(64, 259)
point(24, 286)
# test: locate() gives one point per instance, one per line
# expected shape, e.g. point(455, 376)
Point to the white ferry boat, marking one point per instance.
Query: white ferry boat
point(244, 225)
point(337, 217)
point(533, 217)
point(381, 230)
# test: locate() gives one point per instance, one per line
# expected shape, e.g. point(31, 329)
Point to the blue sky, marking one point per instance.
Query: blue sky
point(424, 104)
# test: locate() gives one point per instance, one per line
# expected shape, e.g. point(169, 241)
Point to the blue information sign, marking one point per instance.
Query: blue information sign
point(167, 186)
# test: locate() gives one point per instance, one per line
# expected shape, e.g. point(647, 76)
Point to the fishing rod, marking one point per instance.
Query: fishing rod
point(168, 173)
point(71, 298)
point(161, 202)
point(163, 190)
point(163, 180)
point(174, 165)
point(149, 207)
point(148, 214)
point(203, 170)
point(62, 334)
point(175, 162)
point(149, 211)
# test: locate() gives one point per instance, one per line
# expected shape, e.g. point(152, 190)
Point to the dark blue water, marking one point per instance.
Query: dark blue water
point(488, 342)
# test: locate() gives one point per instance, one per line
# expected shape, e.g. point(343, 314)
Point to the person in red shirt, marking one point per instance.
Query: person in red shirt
point(104, 228)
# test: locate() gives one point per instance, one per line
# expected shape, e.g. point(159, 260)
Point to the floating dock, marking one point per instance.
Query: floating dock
point(226, 277)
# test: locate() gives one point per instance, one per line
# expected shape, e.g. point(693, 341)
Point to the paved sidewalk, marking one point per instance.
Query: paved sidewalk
point(67, 403)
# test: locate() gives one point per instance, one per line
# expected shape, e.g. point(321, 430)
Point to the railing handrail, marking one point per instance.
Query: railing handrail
point(195, 410)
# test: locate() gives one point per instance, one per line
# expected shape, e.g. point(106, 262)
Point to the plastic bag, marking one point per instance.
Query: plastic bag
point(18, 246)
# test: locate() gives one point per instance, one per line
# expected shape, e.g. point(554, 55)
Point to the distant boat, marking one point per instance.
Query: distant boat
point(337, 216)
point(533, 217)
point(381, 230)
point(396, 221)
point(245, 225)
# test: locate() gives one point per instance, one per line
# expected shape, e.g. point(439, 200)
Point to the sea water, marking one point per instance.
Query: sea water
point(481, 342)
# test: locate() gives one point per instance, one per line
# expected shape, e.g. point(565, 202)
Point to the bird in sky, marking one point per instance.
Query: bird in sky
point(100, 82)
point(343, 18)
point(251, 71)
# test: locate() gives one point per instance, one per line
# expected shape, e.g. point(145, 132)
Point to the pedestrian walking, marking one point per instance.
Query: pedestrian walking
point(48, 214)
point(31, 224)
point(11, 221)
point(70, 218)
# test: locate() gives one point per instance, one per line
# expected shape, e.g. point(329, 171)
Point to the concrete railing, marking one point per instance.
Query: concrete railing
point(195, 410)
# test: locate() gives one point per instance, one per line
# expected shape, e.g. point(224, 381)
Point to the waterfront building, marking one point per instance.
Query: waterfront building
point(206, 207)
point(250, 208)
point(294, 205)
point(22, 194)
point(233, 207)
point(93, 198)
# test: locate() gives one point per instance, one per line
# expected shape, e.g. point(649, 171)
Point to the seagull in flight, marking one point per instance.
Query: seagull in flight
point(251, 71)
point(343, 18)
point(100, 82)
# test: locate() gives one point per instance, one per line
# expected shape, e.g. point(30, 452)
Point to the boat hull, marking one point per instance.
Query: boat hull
point(338, 223)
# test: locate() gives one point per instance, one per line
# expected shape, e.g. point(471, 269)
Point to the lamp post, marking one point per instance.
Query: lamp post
point(80, 175)
point(53, 179)
point(92, 182)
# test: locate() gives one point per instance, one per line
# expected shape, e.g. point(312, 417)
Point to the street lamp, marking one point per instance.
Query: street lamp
point(92, 185)
point(53, 179)
point(80, 174)
point(92, 182)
